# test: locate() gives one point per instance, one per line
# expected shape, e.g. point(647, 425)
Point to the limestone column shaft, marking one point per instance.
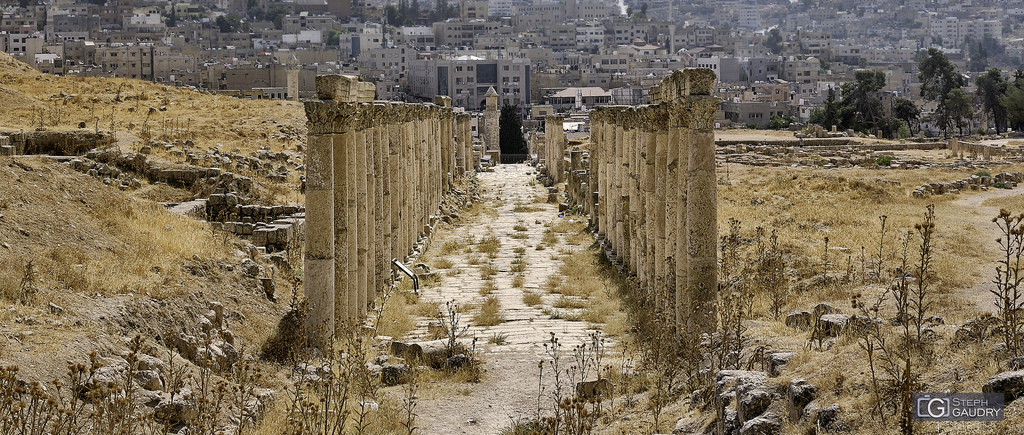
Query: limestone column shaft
point(702, 215)
point(362, 222)
point(347, 279)
point(671, 215)
point(660, 212)
point(386, 202)
point(650, 207)
point(318, 264)
point(682, 256)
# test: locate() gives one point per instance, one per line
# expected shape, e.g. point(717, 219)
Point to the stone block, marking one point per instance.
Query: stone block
point(344, 89)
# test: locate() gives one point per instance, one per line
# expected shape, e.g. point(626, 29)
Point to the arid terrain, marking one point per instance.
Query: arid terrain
point(114, 264)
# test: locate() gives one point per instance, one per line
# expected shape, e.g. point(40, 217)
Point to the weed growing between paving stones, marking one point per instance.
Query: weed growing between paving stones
point(525, 208)
point(442, 263)
point(487, 288)
point(518, 280)
point(531, 299)
point(487, 271)
point(518, 265)
point(488, 245)
point(450, 247)
point(490, 313)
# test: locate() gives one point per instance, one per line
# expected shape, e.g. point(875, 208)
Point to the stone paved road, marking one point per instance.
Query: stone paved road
point(509, 387)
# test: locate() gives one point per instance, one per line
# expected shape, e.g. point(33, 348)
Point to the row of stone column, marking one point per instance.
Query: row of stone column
point(654, 170)
point(376, 173)
point(552, 148)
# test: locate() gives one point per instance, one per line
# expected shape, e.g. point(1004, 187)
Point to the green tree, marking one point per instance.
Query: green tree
point(333, 38)
point(230, 23)
point(510, 131)
point(861, 98)
point(172, 18)
point(829, 114)
point(1013, 101)
point(774, 41)
point(905, 110)
point(958, 109)
point(938, 78)
point(991, 87)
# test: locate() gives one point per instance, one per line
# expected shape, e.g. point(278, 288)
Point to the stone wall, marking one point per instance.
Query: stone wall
point(654, 170)
point(976, 150)
point(376, 173)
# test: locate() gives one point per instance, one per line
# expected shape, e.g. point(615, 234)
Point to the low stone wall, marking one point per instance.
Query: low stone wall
point(376, 174)
point(654, 170)
point(56, 143)
point(978, 150)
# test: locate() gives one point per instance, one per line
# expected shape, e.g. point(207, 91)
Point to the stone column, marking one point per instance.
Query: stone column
point(492, 112)
point(660, 214)
point(672, 210)
point(647, 185)
point(556, 148)
point(386, 196)
point(575, 167)
point(362, 223)
point(702, 213)
point(346, 233)
point(682, 257)
point(318, 264)
point(596, 147)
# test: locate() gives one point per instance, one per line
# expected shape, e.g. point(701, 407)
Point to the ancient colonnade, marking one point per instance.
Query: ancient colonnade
point(552, 150)
point(375, 174)
point(654, 170)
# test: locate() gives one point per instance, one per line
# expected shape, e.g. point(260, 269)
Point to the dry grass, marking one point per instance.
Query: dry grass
point(488, 245)
point(552, 283)
point(520, 226)
point(518, 281)
point(532, 299)
point(550, 238)
point(526, 208)
point(424, 308)
point(488, 288)
point(487, 272)
point(518, 265)
point(490, 313)
point(800, 203)
point(479, 210)
point(1013, 204)
point(570, 302)
point(396, 320)
point(450, 247)
point(441, 263)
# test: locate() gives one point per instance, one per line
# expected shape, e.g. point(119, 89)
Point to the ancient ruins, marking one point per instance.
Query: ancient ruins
point(654, 171)
point(376, 173)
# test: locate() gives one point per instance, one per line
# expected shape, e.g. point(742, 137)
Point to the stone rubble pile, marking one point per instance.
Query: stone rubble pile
point(1005, 180)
